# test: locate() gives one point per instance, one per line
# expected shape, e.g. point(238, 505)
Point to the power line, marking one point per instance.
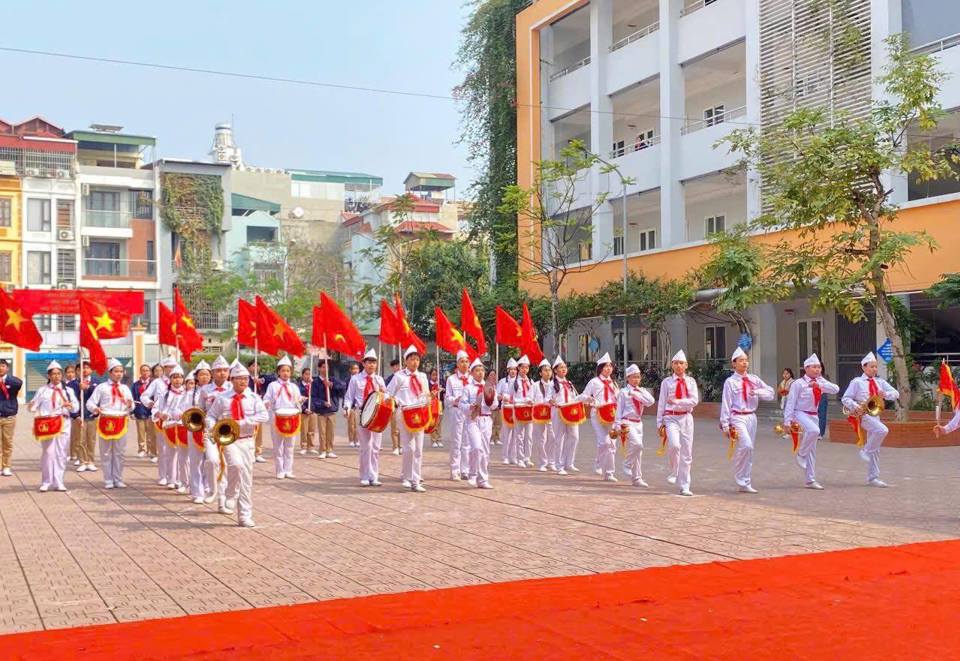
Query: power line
point(321, 84)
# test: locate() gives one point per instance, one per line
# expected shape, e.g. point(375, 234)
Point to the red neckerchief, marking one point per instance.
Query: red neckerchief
point(465, 379)
point(236, 406)
point(56, 393)
point(817, 393)
point(747, 385)
point(874, 390)
point(637, 404)
point(368, 386)
point(607, 389)
point(3, 387)
point(115, 394)
point(415, 383)
point(285, 385)
point(681, 392)
point(566, 390)
point(523, 382)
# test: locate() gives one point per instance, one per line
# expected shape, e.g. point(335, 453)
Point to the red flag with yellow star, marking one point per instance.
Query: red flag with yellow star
point(16, 327)
point(407, 335)
point(274, 334)
point(98, 323)
point(246, 323)
point(167, 326)
point(531, 345)
point(188, 337)
point(448, 337)
point(333, 329)
point(470, 323)
point(508, 332)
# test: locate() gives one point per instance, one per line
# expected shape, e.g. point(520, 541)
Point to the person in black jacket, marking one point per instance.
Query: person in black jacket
point(308, 419)
point(258, 383)
point(86, 382)
point(326, 395)
point(146, 431)
point(9, 389)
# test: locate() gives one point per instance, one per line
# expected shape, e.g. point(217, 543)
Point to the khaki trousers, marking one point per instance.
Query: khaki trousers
point(88, 445)
point(353, 416)
point(325, 425)
point(394, 431)
point(147, 437)
point(7, 426)
point(75, 439)
point(308, 429)
point(497, 424)
point(258, 441)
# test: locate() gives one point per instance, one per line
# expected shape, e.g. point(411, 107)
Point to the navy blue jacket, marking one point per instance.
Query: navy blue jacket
point(87, 394)
point(261, 389)
point(8, 402)
point(140, 412)
point(319, 395)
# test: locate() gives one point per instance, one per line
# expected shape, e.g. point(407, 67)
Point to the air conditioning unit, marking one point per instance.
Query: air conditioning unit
point(32, 172)
point(65, 235)
point(65, 285)
point(63, 174)
point(85, 190)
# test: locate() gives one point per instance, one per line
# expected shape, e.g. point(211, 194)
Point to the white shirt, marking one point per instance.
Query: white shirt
point(174, 404)
point(505, 388)
point(469, 395)
point(210, 392)
point(542, 392)
point(564, 393)
point(801, 399)
point(358, 385)
point(668, 391)
point(103, 397)
point(282, 395)
point(152, 397)
point(733, 400)
point(254, 412)
point(43, 401)
point(599, 394)
point(631, 402)
point(519, 386)
point(400, 389)
point(858, 391)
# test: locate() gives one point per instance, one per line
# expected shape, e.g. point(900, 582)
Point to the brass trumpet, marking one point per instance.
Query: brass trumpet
point(193, 419)
point(873, 406)
point(226, 432)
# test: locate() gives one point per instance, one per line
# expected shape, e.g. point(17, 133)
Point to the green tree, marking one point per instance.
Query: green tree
point(825, 178)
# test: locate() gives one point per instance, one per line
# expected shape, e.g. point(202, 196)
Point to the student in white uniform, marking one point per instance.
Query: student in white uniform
point(544, 441)
point(801, 407)
point(601, 393)
point(742, 393)
point(283, 398)
point(177, 401)
point(53, 403)
point(112, 401)
point(568, 435)
point(152, 399)
point(246, 407)
point(522, 394)
point(411, 388)
point(858, 393)
point(459, 453)
point(479, 426)
point(678, 397)
point(631, 400)
point(361, 385)
point(508, 433)
point(219, 384)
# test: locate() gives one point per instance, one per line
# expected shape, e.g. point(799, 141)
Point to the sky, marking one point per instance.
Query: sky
point(405, 45)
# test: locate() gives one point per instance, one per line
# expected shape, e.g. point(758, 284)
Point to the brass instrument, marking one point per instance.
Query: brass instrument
point(779, 429)
point(873, 406)
point(193, 419)
point(226, 432)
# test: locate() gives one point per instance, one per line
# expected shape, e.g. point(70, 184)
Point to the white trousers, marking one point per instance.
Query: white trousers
point(282, 450)
point(523, 440)
point(53, 458)
point(876, 432)
point(183, 464)
point(508, 438)
point(162, 449)
point(746, 426)
point(168, 460)
point(195, 457)
point(567, 438)
point(239, 458)
point(111, 458)
point(370, 444)
point(457, 448)
point(211, 468)
point(809, 433)
point(544, 445)
point(606, 459)
point(478, 432)
point(412, 443)
point(680, 447)
point(632, 464)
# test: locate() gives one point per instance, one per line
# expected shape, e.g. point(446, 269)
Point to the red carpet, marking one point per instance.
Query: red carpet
point(894, 602)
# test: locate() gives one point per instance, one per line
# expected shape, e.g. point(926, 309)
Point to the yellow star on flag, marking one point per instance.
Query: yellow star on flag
point(104, 321)
point(187, 320)
point(278, 330)
point(14, 318)
point(456, 336)
point(340, 337)
point(476, 321)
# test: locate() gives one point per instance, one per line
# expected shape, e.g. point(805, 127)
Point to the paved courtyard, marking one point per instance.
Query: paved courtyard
point(95, 556)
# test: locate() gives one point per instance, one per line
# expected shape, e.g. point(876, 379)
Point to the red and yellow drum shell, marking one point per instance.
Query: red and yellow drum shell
point(376, 412)
point(46, 427)
point(416, 418)
point(176, 435)
point(572, 413)
point(197, 437)
point(111, 427)
point(287, 424)
point(436, 411)
point(607, 413)
point(507, 413)
point(541, 413)
point(523, 413)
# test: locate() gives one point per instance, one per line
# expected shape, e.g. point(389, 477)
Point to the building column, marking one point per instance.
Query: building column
point(601, 123)
point(763, 356)
point(886, 18)
point(673, 226)
point(139, 352)
point(752, 47)
point(546, 68)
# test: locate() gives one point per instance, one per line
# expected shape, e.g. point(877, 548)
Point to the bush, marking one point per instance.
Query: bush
point(710, 375)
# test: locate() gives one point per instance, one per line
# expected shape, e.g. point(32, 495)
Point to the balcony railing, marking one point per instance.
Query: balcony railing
point(939, 45)
point(570, 69)
point(692, 126)
point(700, 4)
point(107, 267)
point(639, 34)
point(113, 217)
point(639, 145)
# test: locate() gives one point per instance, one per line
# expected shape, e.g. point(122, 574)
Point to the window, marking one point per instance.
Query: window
point(714, 224)
point(809, 338)
point(644, 139)
point(6, 211)
point(67, 322)
point(102, 258)
point(648, 240)
point(617, 149)
point(618, 242)
point(583, 347)
point(64, 214)
point(267, 273)
point(6, 266)
point(715, 343)
point(38, 215)
point(38, 266)
point(261, 234)
point(103, 200)
point(142, 203)
point(650, 350)
point(151, 259)
point(618, 346)
point(43, 321)
point(713, 115)
point(67, 266)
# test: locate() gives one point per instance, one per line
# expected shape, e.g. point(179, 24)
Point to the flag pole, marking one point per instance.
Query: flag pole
point(379, 357)
point(326, 361)
point(496, 361)
point(80, 388)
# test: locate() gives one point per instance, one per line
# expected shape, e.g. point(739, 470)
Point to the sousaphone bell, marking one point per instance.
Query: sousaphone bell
point(226, 432)
point(193, 419)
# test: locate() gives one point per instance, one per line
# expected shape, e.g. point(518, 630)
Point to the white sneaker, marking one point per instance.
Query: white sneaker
point(247, 523)
point(313, 452)
point(280, 476)
point(562, 472)
point(181, 489)
point(91, 468)
point(418, 488)
point(7, 472)
point(303, 452)
point(472, 481)
point(506, 462)
point(877, 482)
point(62, 488)
point(485, 485)
point(747, 489)
point(331, 455)
point(598, 471)
point(198, 501)
point(686, 492)
point(610, 478)
point(863, 455)
point(141, 454)
point(120, 484)
point(573, 469)
point(640, 483)
point(259, 459)
point(801, 461)
point(76, 462)
point(171, 485)
point(542, 469)
point(396, 451)
point(208, 499)
point(82, 468)
point(364, 483)
point(376, 483)
point(223, 509)
point(551, 467)
point(671, 479)
point(231, 503)
point(405, 484)
point(439, 444)
point(108, 485)
point(153, 460)
point(322, 455)
point(44, 488)
point(455, 477)
point(814, 485)
point(162, 482)
point(291, 476)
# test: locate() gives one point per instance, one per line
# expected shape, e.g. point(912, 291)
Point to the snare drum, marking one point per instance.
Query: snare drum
point(541, 414)
point(572, 413)
point(416, 417)
point(287, 422)
point(523, 413)
point(607, 413)
point(506, 411)
point(110, 427)
point(46, 427)
point(376, 412)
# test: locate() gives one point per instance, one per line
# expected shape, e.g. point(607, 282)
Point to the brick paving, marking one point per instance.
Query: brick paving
point(94, 556)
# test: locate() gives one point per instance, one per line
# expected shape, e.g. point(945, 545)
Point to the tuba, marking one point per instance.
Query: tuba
point(193, 419)
point(226, 432)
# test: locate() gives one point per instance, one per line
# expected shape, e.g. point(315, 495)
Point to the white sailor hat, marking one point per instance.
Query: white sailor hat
point(370, 355)
point(192, 376)
point(511, 364)
point(284, 362)
point(220, 363)
point(739, 353)
point(238, 370)
point(54, 365)
point(869, 358)
point(633, 369)
point(476, 363)
point(604, 359)
point(202, 365)
point(168, 362)
point(524, 360)
point(558, 361)
point(410, 350)
point(543, 363)
point(176, 370)
point(462, 355)
point(679, 356)
point(112, 363)
point(812, 361)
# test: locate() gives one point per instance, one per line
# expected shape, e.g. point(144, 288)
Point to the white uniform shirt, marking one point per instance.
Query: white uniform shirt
point(153, 396)
point(400, 389)
point(282, 395)
point(801, 399)
point(733, 400)
point(455, 385)
point(254, 412)
point(631, 402)
point(668, 392)
point(174, 404)
point(54, 400)
point(110, 402)
point(210, 392)
point(564, 392)
point(468, 397)
point(505, 389)
point(521, 389)
point(358, 385)
point(858, 391)
point(542, 392)
point(599, 394)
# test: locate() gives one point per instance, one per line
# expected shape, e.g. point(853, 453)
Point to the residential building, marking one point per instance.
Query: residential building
point(254, 241)
point(653, 85)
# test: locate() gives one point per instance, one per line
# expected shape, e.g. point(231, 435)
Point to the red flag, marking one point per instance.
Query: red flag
point(530, 346)
point(246, 323)
point(509, 332)
point(98, 323)
point(470, 323)
point(188, 337)
point(407, 336)
point(390, 329)
point(947, 385)
point(167, 326)
point(448, 337)
point(17, 328)
point(274, 334)
point(333, 329)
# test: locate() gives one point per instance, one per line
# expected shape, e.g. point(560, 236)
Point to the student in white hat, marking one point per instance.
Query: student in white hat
point(742, 393)
point(568, 436)
point(176, 401)
point(283, 398)
point(602, 391)
point(152, 400)
point(246, 407)
point(459, 453)
point(508, 433)
point(112, 401)
point(858, 393)
point(411, 388)
point(52, 404)
point(522, 395)
point(361, 386)
point(219, 384)
point(801, 407)
point(545, 449)
point(678, 397)
point(631, 400)
point(479, 426)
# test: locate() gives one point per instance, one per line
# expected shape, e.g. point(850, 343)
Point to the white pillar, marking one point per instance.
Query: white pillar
point(547, 138)
point(601, 122)
point(752, 47)
point(886, 18)
point(672, 216)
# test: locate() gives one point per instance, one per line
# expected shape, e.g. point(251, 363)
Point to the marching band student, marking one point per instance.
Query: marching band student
point(479, 426)
point(219, 384)
point(171, 408)
point(436, 391)
point(858, 393)
point(83, 387)
point(410, 388)
point(742, 393)
point(601, 392)
point(544, 441)
point(53, 403)
point(522, 395)
point(9, 389)
point(361, 385)
point(631, 400)
point(678, 397)
point(801, 407)
point(248, 410)
point(568, 436)
point(152, 399)
point(308, 419)
point(505, 395)
point(282, 399)
point(456, 382)
point(146, 430)
point(258, 384)
point(196, 441)
point(351, 414)
point(327, 394)
point(112, 403)
point(394, 429)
